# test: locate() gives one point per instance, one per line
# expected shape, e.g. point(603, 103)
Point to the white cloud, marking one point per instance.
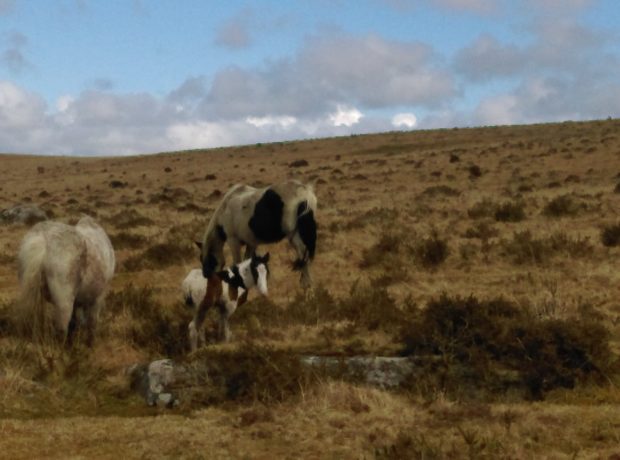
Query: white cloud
point(404, 120)
point(197, 134)
point(19, 108)
point(281, 121)
point(345, 116)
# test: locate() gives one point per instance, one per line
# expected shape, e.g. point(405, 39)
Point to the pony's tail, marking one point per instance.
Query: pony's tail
point(306, 226)
point(31, 317)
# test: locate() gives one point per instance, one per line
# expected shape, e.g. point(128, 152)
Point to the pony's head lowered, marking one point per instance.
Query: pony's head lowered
point(248, 274)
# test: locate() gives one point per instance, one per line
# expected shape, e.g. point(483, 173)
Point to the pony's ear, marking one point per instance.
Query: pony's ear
point(199, 244)
point(224, 276)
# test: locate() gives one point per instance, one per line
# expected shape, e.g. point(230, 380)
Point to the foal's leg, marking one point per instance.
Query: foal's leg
point(196, 331)
point(226, 312)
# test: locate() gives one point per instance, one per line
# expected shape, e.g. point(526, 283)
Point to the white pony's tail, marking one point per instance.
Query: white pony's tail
point(31, 317)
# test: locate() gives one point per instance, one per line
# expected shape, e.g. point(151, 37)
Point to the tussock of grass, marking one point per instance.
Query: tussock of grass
point(563, 205)
point(159, 329)
point(126, 240)
point(253, 373)
point(525, 248)
point(129, 218)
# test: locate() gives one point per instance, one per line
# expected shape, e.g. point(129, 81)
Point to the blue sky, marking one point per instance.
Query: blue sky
point(114, 77)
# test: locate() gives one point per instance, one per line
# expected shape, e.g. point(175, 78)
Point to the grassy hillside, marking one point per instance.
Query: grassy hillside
point(489, 252)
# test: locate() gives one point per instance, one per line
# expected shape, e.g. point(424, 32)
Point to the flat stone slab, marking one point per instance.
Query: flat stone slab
point(380, 371)
point(162, 382)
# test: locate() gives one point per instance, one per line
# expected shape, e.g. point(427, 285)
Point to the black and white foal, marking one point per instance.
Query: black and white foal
point(225, 289)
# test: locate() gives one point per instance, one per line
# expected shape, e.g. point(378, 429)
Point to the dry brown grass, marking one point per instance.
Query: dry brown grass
point(523, 214)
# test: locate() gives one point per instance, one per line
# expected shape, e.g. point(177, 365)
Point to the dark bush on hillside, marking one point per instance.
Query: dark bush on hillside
point(617, 188)
point(563, 205)
point(480, 342)
point(510, 212)
point(474, 171)
point(432, 251)
point(610, 235)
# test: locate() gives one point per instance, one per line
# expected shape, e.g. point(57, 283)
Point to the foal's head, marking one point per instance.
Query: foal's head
point(247, 274)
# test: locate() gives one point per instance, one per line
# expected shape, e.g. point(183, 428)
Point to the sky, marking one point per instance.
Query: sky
point(122, 77)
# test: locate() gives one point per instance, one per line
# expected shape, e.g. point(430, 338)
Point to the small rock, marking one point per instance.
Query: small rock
point(23, 213)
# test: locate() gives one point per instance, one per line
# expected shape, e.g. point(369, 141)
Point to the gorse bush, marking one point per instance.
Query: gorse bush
point(479, 341)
